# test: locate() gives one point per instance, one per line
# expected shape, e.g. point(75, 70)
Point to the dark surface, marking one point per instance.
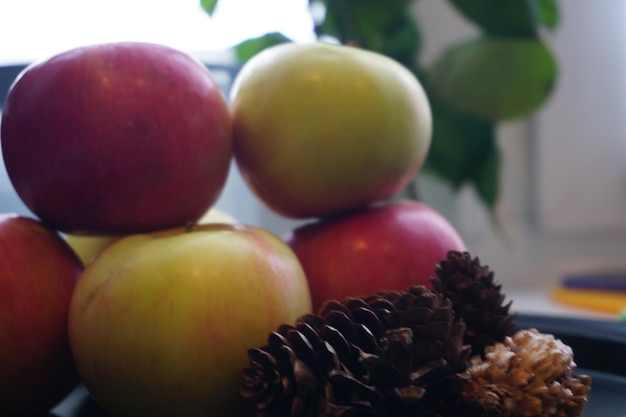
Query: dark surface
point(599, 350)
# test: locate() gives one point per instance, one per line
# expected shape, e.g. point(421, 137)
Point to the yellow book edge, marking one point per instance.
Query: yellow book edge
point(611, 302)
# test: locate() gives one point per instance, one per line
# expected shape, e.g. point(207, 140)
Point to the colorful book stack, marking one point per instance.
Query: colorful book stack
point(604, 293)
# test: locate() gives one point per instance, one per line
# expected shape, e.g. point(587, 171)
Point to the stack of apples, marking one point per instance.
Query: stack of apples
point(133, 142)
point(334, 133)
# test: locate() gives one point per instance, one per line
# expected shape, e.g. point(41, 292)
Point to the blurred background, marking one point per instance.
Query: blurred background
point(561, 201)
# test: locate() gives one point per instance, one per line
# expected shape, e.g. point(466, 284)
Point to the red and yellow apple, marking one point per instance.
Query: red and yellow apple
point(38, 273)
point(117, 138)
point(160, 323)
point(322, 128)
point(387, 246)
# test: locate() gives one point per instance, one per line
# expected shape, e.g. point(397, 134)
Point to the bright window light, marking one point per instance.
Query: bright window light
point(37, 28)
point(34, 29)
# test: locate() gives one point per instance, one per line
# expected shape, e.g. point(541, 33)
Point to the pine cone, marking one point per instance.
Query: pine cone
point(475, 298)
point(390, 354)
point(530, 374)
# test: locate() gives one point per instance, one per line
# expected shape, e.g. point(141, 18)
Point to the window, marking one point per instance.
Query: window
point(35, 28)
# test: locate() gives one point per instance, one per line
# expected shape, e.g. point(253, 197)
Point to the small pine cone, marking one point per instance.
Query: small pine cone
point(476, 298)
point(574, 396)
point(390, 354)
point(530, 374)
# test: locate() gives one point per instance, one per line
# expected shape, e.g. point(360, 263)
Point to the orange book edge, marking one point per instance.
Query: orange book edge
point(599, 300)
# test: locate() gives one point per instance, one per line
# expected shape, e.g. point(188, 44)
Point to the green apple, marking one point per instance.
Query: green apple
point(322, 128)
point(88, 246)
point(160, 323)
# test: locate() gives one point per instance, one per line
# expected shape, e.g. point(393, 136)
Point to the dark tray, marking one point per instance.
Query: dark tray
point(599, 350)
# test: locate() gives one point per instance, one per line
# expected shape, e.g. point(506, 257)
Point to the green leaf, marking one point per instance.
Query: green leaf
point(248, 48)
point(509, 17)
point(402, 40)
point(389, 27)
point(494, 78)
point(501, 17)
point(487, 178)
point(328, 26)
point(209, 6)
point(361, 22)
point(464, 151)
point(549, 13)
point(459, 144)
point(374, 19)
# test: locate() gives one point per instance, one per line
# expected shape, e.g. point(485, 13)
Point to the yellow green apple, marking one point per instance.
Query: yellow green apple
point(160, 323)
point(38, 273)
point(88, 246)
point(322, 128)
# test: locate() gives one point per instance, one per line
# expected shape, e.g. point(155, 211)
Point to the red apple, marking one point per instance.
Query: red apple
point(38, 272)
point(388, 246)
point(117, 138)
point(323, 128)
point(160, 323)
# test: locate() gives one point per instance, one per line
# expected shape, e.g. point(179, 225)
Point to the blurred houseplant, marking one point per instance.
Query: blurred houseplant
point(505, 73)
